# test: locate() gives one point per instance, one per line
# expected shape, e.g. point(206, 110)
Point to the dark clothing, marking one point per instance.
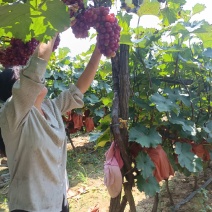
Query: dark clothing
point(64, 208)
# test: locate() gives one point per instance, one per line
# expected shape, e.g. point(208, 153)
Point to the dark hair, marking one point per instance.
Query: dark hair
point(2, 146)
point(7, 78)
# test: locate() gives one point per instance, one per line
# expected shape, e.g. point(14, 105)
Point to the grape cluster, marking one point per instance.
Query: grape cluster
point(18, 52)
point(104, 23)
point(101, 20)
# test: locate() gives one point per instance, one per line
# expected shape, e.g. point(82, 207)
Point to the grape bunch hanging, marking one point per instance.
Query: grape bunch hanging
point(102, 21)
point(18, 52)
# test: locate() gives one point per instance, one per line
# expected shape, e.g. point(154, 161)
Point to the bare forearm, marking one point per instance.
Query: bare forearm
point(88, 75)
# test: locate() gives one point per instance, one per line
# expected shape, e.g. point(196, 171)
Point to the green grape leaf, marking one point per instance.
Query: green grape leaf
point(177, 95)
point(208, 53)
point(198, 8)
point(91, 99)
point(124, 23)
point(125, 39)
point(104, 85)
point(144, 136)
point(141, 103)
point(104, 122)
point(204, 33)
point(149, 8)
point(187, 158)
point(99, 112)
point(12, 17)
point(179, 28)
point(105, 70)
point(34, 19)
point(145, 164)
point(103, 138)
point(60, 86)
point(210, 152)
point(124, 20)
point(169, 16)
point(149, 186)
point(187, 125)
point(61, 20)
point(208, 128)
point(2, 2)
point(170, 13)
point(106, 101)
point(62, 53)
point(164, 104)
point(94, 136)
point(177, 3)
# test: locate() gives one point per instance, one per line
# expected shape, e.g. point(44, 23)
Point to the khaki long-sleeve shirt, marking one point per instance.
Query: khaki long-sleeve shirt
point(36, 146)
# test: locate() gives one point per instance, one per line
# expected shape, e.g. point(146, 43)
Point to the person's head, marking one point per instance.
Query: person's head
point(7, 78)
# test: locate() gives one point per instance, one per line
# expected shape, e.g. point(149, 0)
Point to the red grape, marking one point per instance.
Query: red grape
point(18, 52)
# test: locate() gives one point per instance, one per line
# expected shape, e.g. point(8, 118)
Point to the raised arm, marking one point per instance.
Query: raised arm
point(88, 75)
point(26, 90)
point(44, 50)
point(73, 97)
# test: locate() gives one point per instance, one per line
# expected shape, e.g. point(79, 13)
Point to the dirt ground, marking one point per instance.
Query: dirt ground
point(88, 193)
point(180, 186)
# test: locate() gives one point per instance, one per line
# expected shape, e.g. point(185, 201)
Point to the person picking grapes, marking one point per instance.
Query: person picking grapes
point(34, 134)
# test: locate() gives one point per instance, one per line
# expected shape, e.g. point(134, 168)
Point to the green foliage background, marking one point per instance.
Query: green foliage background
point(38, 19)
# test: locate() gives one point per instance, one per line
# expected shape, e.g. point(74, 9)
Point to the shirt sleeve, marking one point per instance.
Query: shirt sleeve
point(25, 92)
point(69, 99)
